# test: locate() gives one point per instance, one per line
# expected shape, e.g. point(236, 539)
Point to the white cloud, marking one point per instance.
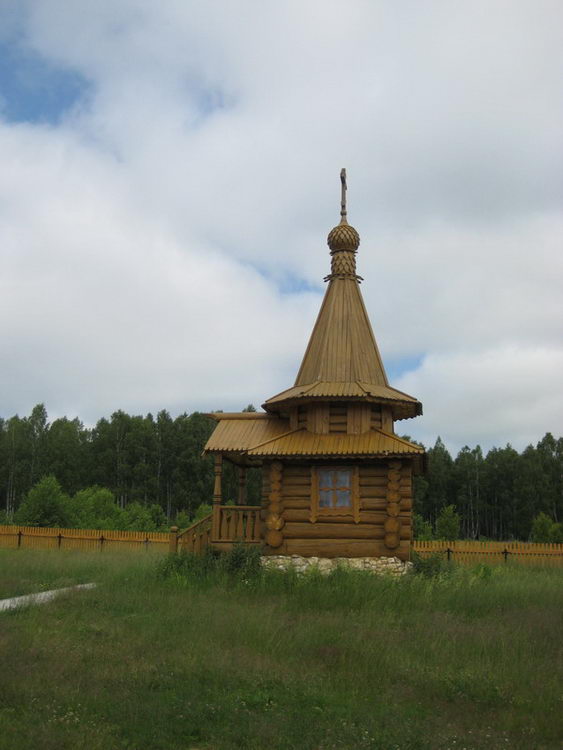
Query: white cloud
point(145, 239)
point(499, 395)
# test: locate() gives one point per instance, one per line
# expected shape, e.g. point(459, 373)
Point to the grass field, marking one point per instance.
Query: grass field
point(468, 660)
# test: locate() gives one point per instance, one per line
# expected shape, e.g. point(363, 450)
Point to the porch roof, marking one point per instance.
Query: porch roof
point(267, 436)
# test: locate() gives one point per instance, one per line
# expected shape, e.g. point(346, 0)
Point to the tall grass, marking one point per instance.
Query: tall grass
point(214, 654)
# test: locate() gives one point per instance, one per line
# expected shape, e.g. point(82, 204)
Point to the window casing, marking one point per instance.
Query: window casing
point(335, 491)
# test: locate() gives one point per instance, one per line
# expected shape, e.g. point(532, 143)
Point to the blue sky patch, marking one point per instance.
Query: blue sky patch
point(34, 90)
point(400, 365)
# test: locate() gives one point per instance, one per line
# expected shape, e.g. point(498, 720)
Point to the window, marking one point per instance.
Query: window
point(335, 492)
point(335, 488)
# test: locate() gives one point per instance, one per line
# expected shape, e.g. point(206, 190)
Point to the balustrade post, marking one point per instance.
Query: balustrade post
point(242, 485)
point(217, 498)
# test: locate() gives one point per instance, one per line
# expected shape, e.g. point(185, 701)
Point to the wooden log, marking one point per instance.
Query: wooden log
point(343, 548)
point(291, 471)
point(375, 492)
point(375, 479)
point(297, 502)
point(340, 530)
point(302, 515)
point(373, 503)
point(374, 470)
point(289, 492)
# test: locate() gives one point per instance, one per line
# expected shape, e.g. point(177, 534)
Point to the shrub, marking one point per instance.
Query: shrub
point(242, 560)
point(45, 505)
point(94, 508)
point(201, 511)
point(422, 529)
point(546, 531)
point(431, 566)
point(447, 524)
point(183, 519)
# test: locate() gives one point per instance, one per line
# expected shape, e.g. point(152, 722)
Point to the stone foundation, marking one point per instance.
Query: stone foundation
point(390, 565)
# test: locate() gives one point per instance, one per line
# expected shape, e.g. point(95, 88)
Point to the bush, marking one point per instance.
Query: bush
point(447, 524)
point(201, 511)
point(45, 505)
point(94, 508)
point(422, 529)
point(556, 533)
point(183, 519)
point(240, 562)
point(188, 566)
point(546, 531)
point(430, 567)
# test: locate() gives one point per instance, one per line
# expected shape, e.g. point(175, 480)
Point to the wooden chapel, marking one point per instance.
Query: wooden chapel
point(337, 480)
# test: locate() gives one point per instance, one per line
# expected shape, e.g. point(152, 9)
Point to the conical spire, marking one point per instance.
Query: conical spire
point(342, 346)
point(342, 359)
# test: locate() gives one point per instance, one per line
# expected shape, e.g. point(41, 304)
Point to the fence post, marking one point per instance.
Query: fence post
point(173, 543)
point(102, 542)
point(59, 537)
point(449, 554)
point(19, 538)
point(505, 553)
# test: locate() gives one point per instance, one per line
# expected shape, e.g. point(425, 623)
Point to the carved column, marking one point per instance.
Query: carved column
point(392, 524)
point(217, 498)
point(242, 485)
point(274, 521)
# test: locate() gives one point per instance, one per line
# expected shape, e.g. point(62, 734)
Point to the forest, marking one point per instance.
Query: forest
point(146, 472)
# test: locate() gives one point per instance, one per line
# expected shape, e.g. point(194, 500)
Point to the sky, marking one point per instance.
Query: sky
point(169, 172)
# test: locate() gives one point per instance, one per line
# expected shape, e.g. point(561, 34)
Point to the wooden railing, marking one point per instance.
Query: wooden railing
point(239, 523)
point(235, 523)
point(195, 538)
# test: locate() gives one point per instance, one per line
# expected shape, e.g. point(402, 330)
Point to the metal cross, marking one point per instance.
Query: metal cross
point(343, 195)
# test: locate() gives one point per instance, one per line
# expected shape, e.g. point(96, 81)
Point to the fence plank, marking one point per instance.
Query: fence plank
point(470, 552)
point(463, 551)
point(35, 537)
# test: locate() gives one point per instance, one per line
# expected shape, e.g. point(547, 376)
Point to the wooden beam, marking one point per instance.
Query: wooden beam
point(242, 485)
point(217, 497)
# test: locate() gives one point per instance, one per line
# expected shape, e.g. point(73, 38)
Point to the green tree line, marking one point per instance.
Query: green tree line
point(152, 467)
point(500, 495)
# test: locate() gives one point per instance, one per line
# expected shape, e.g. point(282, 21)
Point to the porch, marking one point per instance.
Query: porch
point(225, 526)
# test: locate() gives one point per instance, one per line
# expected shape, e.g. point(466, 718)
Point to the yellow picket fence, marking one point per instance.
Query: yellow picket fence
point(33, 537)
point(465, 552)
point(469, 553)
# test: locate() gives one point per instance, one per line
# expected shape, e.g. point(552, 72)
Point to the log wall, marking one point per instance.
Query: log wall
point(385, 523)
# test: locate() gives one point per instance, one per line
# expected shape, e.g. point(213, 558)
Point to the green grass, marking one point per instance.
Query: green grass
point(210, 659)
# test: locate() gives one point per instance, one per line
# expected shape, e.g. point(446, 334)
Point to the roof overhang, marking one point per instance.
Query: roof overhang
point(402, 405)
point(248, 440)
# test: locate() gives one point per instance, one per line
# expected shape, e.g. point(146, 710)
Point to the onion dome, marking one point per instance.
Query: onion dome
point(343, 242)
point(343, 237)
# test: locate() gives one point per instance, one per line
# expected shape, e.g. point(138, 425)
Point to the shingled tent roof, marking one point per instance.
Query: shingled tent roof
point(342, 359)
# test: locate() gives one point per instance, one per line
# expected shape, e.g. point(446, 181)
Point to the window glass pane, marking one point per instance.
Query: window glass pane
point(325, 499)
point(343, 478)
point(325, 478)
point(343, 499)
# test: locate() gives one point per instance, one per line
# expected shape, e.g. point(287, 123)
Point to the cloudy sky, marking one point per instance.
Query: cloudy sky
point(169, 173)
